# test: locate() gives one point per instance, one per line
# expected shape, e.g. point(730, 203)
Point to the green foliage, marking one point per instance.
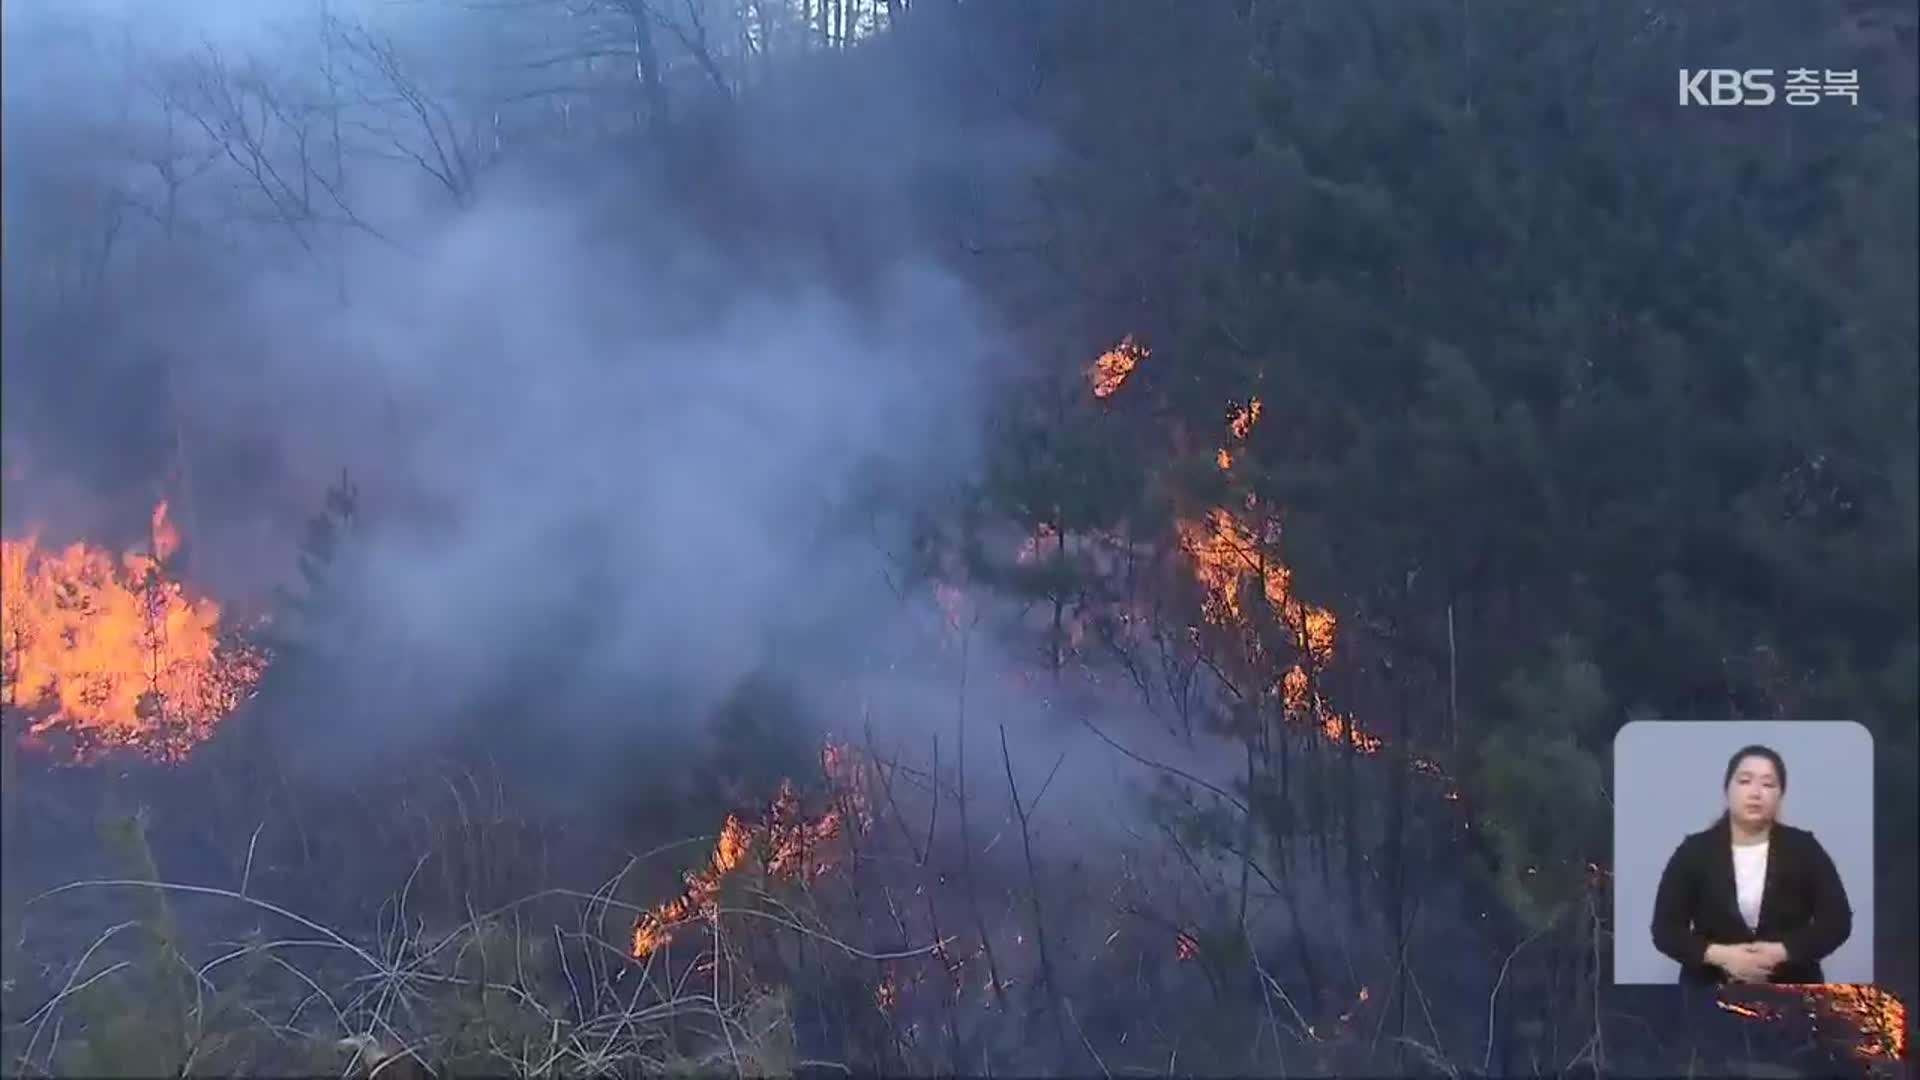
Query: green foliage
point(159, 1031)
point(1619, 398)
point(123, 1028)
point(1539, 349)
point(1548, 816)
point(154, 1015)
point(314, 622)
point(494, 1018)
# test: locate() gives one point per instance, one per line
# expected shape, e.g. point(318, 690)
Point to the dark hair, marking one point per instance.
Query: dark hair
point(1745, 752)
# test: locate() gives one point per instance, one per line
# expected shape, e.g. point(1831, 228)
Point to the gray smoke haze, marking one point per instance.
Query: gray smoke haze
point(571, 441)
point(633, 426)
point(613, 426)
point(598, 439)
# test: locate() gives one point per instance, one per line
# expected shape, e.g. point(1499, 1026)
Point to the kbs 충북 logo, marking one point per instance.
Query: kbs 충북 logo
point(1757, 86)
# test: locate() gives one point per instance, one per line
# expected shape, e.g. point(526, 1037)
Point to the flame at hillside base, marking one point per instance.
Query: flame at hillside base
point(1878, 1019)
point(105, 653)
point(787, 844)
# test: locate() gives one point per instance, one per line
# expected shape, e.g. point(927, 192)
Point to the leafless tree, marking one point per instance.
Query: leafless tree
point(402, 118)
point(271, 139)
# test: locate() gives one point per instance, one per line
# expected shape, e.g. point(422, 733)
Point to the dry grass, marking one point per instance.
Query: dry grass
point(489, 995)
point(1151, 969)
point(544, 986)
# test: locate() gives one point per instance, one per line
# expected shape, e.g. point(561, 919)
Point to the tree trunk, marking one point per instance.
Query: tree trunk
point(653, 87)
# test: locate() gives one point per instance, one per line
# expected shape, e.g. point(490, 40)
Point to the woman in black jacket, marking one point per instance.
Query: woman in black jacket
point(1751, 899)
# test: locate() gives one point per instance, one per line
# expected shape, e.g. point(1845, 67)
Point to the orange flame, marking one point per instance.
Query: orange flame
point(1879, 1018)
point(701, 897)
point(166, 538)
point(788, 843)
point(1110, 371)
point(1241, 420)
point(1340, 729)
point(1229, 552)
point(793, 840)
point(113, 653)
point(1225, 552)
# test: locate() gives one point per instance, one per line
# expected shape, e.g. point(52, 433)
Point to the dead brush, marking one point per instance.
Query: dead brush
point(490, 995)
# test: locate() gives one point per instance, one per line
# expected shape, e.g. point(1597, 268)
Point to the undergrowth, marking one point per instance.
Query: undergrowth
point(488, 996)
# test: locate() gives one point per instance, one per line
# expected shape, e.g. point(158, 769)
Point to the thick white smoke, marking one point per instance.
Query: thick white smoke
point(570, 396)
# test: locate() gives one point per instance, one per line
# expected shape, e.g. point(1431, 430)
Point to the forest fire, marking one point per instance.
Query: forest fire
point(1228, 555)
point(1110, 371)
point(104, 653)
point(787, 844)
point(1879, 1018)
point(1240, 421)
point(1243, 417)
point(1228, 552)
point(710, 371)
point(700, 898)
